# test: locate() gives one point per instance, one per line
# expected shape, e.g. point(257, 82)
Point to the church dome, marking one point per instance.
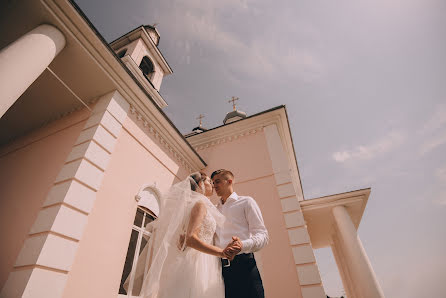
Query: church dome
point(234, 116)
point(199, 129)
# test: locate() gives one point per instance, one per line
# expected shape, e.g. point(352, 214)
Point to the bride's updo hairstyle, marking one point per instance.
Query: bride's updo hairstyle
point(197, 178)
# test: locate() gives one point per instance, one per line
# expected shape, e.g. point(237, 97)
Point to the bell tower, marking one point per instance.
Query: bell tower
point(138, 50)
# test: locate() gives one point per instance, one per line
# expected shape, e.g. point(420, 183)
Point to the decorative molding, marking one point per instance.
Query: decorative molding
point(149, 127)
point(137, 197)
point(150, 204)
point(234, 128)
point(152, 187)
point(229, 138)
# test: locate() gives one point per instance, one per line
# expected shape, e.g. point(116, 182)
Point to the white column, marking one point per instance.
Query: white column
point(347, 282)
point(22, 62)
point(362, 271)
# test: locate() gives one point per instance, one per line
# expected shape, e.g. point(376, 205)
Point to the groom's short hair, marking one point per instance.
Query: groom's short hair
point(223, 172)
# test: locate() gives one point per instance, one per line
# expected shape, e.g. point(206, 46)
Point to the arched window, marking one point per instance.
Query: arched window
point(146, 212)
point(147, 67)
point(122, 53)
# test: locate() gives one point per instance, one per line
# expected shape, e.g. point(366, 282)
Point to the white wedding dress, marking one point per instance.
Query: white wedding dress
point(194, 274)
point(178, 272)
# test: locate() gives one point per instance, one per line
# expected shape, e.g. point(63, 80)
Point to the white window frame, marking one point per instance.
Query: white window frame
point(141, 231)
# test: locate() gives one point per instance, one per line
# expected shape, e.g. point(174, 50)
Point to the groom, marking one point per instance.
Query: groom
point(245, 232)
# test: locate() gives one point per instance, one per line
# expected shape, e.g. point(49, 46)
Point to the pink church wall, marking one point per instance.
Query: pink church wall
point(28, 168)
point(249, 160)
point(137, 160)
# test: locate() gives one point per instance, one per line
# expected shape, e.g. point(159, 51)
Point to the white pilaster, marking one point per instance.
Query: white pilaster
point(307, 271)
point(362, 273)
point(48, 253)
point(22, 62)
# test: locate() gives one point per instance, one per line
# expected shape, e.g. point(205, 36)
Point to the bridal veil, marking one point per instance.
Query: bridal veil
point(165, 262)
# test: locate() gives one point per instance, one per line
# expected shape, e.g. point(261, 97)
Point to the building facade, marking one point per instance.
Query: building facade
point(87, 151)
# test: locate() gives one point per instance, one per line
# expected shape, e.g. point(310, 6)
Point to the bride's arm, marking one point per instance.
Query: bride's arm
point(197, 215)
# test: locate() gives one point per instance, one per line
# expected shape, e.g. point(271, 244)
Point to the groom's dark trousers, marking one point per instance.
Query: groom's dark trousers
point(242, 278)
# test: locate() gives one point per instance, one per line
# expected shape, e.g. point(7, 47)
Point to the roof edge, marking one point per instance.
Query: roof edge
point(248, 117)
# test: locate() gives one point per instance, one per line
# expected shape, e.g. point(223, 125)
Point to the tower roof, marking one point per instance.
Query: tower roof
point(199, 128)
point(150, 36)
point(234, 116)
point(156, 35)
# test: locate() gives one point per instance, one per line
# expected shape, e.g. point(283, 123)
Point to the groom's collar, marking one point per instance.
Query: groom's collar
point(232, 197)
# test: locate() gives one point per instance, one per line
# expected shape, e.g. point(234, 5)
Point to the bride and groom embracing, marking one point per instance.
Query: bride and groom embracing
point(204, 251)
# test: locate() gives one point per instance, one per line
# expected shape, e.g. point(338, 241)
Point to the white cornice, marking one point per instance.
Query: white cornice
point(233, 130)
point(150, 127)
point(72, 23)
point(319, 217)
point(357, 197)
point(337, 199)
point(225, 139)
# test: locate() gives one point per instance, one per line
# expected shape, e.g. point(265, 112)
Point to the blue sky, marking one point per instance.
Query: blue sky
point(364, 83)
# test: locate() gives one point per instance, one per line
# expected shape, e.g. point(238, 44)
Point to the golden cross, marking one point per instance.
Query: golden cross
point(200, 117)
point(233, 102)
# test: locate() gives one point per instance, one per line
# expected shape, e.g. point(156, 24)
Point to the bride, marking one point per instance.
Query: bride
point(182, 258)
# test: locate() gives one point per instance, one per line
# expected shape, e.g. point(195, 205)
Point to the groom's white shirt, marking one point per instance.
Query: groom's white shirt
point(244, 220)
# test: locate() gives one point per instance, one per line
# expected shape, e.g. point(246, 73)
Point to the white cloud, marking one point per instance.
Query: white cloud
point(433, 142)
point(341, 156)
point(372, 150)
point(433, 131)
point(437, 120)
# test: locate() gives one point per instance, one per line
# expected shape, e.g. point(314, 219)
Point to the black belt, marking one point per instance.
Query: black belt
point(238, 258)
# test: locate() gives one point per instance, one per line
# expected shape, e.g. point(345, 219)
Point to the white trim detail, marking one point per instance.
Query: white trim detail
point(142, 232)
point(149, 196)
point(150, 127)
point(229, 138)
